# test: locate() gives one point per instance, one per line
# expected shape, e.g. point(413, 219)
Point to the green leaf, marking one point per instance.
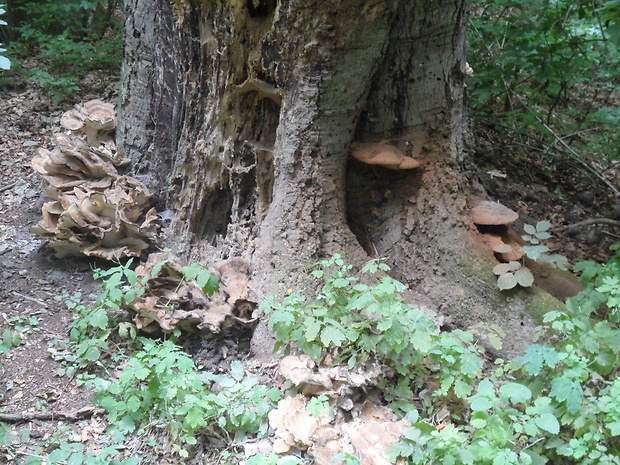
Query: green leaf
point(564, 389)
point(506, 457)
point(542, 226)
point(528, 228)
point(479, 403)
point(236, 370)
point(548, 422)
point(506, 281)
point(515, 392)
point(524, 277)
point(332, 336)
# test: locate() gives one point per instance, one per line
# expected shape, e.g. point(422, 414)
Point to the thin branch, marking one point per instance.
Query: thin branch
point(81, 414)
point(590, 222)
point(9, 186)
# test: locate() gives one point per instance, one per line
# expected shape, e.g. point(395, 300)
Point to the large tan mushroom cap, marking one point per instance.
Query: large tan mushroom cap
point(492, 213)
point(383, 154)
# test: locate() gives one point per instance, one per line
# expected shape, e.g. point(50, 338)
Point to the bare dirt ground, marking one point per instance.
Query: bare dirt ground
point(31, 384)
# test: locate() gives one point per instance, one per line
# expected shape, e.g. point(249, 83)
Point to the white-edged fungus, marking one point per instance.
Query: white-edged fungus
point(382, 154)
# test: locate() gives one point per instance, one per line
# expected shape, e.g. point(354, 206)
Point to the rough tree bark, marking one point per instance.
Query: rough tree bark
point(239, 115)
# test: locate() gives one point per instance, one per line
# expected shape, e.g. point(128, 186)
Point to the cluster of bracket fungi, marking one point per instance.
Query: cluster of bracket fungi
point(95, 210)
point(174, 302)
point(353, 424)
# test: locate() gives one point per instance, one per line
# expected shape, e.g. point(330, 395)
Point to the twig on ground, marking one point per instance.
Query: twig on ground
point(590, 222)
point(81, 414)
point(40, 302)
point(9, 186)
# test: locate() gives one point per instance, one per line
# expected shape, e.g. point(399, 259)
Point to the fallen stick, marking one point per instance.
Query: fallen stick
point(590, 222)
point(9, 186)
point(81, 414)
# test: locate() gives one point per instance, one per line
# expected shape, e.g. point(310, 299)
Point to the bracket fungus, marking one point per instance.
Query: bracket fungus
point(170, 301)
point(382, 154)
point(492, 213)
point(94, 118)
point(351, 426)
point(95, 210)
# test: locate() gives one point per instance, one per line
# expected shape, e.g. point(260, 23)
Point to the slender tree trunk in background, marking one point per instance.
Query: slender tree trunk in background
point(239, 115)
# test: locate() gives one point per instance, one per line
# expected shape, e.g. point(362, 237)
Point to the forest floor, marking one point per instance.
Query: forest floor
point(42, 404)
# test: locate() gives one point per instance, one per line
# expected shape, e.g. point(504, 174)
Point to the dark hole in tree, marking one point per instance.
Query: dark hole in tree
point(260, 8)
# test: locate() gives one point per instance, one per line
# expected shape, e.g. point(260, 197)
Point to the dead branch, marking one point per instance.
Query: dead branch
point(80, 414)
point(8, 186)
point(590, 222)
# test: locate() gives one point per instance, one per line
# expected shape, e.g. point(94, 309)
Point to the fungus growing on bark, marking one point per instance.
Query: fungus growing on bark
point(382, 154)
point(492, 213)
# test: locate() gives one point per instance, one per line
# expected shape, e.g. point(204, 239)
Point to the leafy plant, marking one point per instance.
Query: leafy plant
point(515, 272)
point(355, 322)
point(544, 77)
point(556, 403)
point(68, 40)
point(161, 383)
point(5, 63)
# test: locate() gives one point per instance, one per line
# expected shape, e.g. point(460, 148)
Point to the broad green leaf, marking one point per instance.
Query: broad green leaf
point(564, 389)
point(332, 336)
point(236, 370)
point(542, 226)
point(506, 281)
point(515, 392)
point(524, 277)
point(548, 422)
point(506, 457)
point(480, 403)
point(506, 267)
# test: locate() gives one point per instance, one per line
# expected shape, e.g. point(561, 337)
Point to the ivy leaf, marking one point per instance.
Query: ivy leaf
point(332, 336)
point(548, 422)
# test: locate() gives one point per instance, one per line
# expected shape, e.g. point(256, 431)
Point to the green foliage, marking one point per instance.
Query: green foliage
point(93, 326)
point(356, 322)
point(557, 403)
point(161, 383)
point(5, 63)
point(62, 447)
point(545, 73)
point(602, 288)
point(272, 459)
point(515, 272)
point(68, 39)
point(97, 326)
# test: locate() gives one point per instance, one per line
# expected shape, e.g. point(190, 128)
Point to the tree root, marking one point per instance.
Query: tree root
point(81, 414)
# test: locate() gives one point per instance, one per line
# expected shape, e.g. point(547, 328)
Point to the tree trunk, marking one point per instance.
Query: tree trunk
point(240, 116)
